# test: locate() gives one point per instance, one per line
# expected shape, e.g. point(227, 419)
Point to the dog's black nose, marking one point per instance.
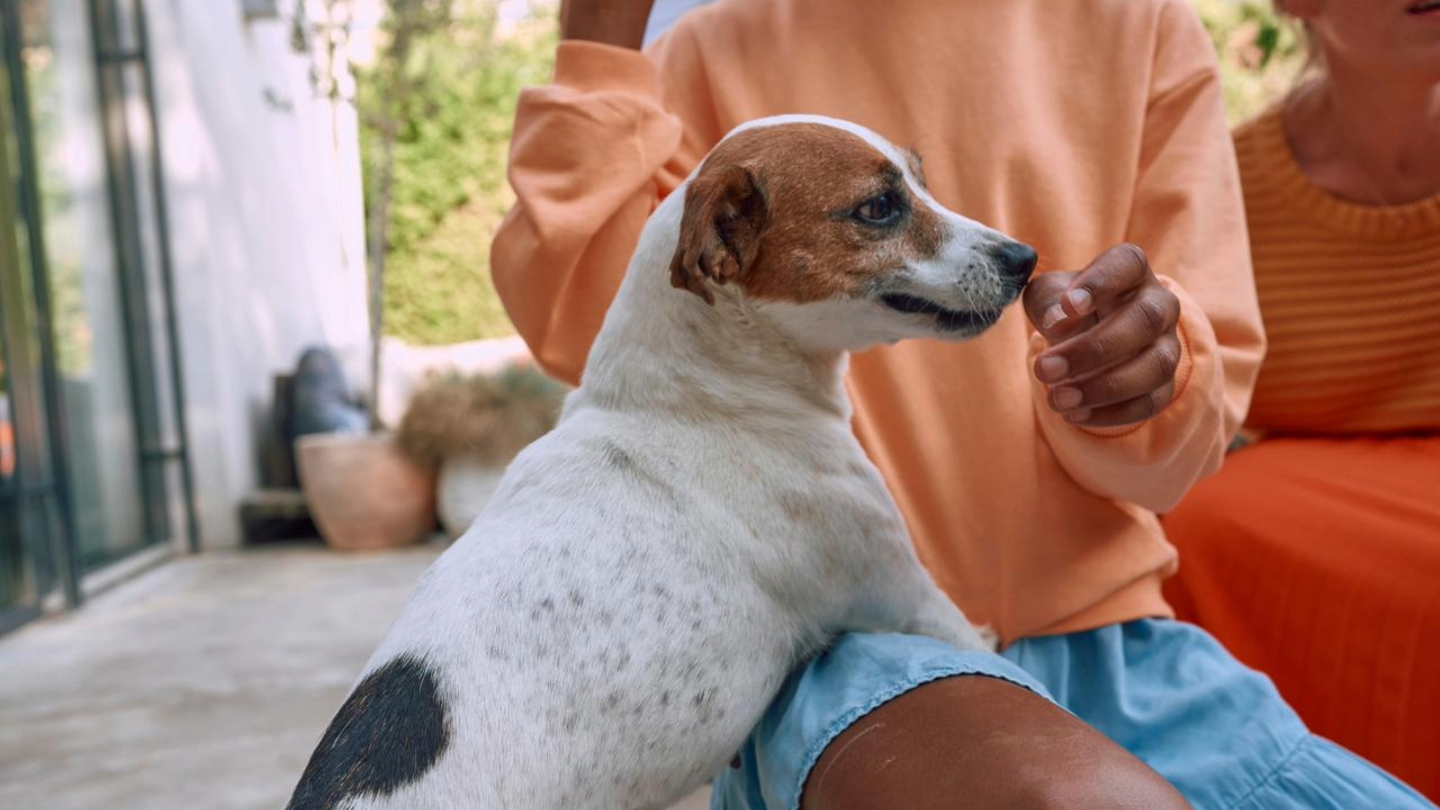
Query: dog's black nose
point(1016, 260)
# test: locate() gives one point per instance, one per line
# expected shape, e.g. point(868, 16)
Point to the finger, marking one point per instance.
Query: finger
point(1068, 328)
point(1124, 413)
point(1113, 275)
point(1124, 333)
point(1042, 307)
point(1149, 371)
point(1042, 293)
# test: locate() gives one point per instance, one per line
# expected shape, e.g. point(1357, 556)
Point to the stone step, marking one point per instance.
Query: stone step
point(276, 515)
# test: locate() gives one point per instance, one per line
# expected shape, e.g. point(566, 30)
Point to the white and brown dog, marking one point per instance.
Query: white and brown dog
point(702, 519)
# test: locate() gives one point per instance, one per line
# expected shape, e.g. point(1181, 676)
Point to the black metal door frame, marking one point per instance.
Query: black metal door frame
point(43, 499)
point(121, 40)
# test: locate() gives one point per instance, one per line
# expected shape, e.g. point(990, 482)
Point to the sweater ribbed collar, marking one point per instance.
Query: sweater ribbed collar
point(1388, 223)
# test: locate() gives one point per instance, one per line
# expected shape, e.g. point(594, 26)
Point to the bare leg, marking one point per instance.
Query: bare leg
point(990, 741)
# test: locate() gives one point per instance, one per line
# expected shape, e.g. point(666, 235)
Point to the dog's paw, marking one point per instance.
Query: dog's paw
point(989, 636)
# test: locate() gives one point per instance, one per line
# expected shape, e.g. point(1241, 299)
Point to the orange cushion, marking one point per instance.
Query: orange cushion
point(1317, 561)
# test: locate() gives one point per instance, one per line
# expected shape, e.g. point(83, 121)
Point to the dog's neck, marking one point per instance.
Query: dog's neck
point(662, 347)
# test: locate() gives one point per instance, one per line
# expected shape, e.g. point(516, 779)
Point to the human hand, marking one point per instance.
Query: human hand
point(1114, 345)
point(984, 743)
point(611, 22)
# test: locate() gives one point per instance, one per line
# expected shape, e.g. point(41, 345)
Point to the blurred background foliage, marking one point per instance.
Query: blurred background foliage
point(447, 86)
point(1262, 55)
point(445, 90)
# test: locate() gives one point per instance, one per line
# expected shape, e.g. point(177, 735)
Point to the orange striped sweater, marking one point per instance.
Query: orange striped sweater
point(1350, 295)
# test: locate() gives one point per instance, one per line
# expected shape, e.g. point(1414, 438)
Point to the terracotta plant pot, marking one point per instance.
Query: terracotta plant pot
point(363, 493)
point(466, 484)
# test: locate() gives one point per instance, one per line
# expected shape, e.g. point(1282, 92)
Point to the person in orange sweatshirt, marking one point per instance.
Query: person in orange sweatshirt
point(1029, 463)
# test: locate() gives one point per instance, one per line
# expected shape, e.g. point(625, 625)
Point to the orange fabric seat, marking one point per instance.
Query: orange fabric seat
point(1317, 561)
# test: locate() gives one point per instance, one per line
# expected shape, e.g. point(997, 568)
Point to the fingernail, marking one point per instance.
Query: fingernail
point(1079, 301)
point(1067, 398)
point(1037, 343)
point(1052, 316)
point(1077, 416)
point(1052, 369)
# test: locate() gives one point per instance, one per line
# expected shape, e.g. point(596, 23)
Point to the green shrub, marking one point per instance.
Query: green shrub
point(449, 191)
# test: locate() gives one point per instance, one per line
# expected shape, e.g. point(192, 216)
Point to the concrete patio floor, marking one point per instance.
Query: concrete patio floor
point(205, 682)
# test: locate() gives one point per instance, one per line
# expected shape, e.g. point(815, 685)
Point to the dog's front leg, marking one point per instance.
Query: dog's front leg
point(939, 618)
point(904, 599)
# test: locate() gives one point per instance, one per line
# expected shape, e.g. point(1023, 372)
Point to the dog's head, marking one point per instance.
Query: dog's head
point(828, 229)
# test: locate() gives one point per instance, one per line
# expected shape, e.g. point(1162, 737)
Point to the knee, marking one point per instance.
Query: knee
point(982, 743)
point(1119, 784)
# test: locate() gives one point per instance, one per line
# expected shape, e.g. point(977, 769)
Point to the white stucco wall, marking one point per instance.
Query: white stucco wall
point(262, 180)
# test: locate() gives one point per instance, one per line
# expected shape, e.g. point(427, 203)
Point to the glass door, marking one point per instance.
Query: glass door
point(19, 589)
point(93, 460)
point(31, 514)
point(87, 290)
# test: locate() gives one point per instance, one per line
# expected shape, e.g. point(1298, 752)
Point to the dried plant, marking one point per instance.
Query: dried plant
point(488, 416)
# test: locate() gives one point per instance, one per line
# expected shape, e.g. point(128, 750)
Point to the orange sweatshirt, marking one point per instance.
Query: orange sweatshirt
point(1071, 124)
point(1349, 297)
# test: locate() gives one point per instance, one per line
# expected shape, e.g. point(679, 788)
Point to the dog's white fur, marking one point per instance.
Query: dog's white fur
point(700, 522)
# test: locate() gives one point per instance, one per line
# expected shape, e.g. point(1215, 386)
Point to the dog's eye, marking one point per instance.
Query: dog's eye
point(881, 210)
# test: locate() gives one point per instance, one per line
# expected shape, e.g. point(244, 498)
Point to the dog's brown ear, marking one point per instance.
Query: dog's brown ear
point(720, 229)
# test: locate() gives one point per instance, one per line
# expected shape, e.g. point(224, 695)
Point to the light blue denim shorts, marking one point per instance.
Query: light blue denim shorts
point(1165, 690)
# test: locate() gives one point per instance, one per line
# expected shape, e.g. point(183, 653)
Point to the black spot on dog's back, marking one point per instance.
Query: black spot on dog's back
point(391, 730)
